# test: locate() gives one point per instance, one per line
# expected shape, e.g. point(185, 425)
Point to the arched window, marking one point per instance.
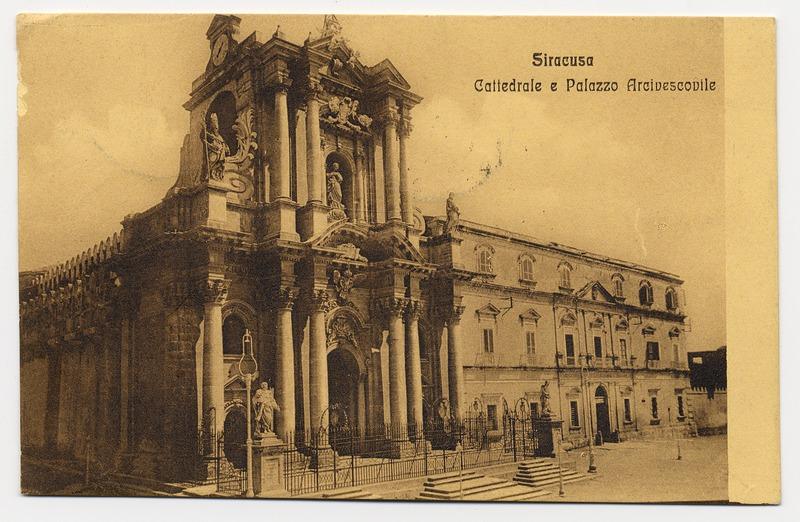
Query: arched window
point(671, 298)
point(616, 282)
point(645, 293)
point(484, 255)
point(526, 268)
point(232, 331)
point(565, 275)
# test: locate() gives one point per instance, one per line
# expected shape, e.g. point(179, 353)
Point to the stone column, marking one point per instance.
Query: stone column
point(215, 294)
point(390, 167)
point(358, 185)
point(413, 365)
point(280, 183)
point(318, 360)
point(313, 152)
point(455, 365)
point(406, 203)
point(362, 403)
point(124, 380)
point(397, 363)
point(313, 217)
point(281, 215)
point(284, 364)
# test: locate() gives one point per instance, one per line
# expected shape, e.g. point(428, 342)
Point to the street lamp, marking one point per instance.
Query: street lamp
point(248, 368)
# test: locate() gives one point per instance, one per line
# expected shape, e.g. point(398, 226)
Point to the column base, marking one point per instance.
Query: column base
point(268, 467)
point(281, 220)
point(312, 220)
point(547, 430)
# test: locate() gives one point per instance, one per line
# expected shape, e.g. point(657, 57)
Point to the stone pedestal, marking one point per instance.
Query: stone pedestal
point(268, 467)
point(281, 221)
point(546, 430)
point(312, 220)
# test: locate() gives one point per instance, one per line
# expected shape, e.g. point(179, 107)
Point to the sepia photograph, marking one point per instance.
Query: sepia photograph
point(345, 257)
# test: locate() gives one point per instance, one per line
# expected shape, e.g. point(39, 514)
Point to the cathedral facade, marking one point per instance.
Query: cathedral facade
point(292, 220)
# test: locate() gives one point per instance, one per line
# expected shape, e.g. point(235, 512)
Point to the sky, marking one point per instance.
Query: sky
point(634, 176)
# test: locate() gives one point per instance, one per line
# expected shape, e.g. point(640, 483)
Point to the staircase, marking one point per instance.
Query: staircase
point(544, 472)
point(478, 488)
point(344, 494)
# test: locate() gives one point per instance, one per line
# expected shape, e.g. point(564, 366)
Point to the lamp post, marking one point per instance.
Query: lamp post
point(585, 386)
point(247, 368)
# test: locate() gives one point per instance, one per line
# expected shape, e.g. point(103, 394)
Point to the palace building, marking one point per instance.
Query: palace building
point(292, 218)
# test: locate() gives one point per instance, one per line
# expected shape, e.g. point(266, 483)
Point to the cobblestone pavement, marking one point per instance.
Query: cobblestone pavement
point(648, 471)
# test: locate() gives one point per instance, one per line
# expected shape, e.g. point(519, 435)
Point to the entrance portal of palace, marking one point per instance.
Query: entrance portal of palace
point(601, 409)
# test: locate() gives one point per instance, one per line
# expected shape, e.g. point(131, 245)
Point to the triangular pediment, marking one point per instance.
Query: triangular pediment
point(529, 316)
point(385, 71)
point(596, 292)
point(488, 310)
point(372, 245)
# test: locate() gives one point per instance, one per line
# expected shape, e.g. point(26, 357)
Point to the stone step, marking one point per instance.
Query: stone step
point(449, 477)
point(471, 486)
point(510, 494)
point(352, 493)
point(568, 478)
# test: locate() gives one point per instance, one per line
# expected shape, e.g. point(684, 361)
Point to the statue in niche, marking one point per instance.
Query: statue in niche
point(544, 398)
point(453, 215)
point(216, 148)
point(335, 179)
point(265, 405)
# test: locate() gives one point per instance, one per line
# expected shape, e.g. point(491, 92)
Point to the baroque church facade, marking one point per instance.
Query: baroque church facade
point(292, 219)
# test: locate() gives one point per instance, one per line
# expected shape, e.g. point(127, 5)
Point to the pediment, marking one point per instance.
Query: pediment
point(596, 292)
point(530, 316)
point(649, 329)
point(359, 243)
point(488, 310)
point(386, 71)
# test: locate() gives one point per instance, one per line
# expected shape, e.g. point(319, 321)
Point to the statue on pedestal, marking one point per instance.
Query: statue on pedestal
point(544, 397)
point(335, 179)
point(453, 215)
point(265, 407)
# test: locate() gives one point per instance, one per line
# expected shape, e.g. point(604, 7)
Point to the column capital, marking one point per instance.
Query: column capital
point(390, 306)
point(388, 117)
point(413, 309)
point(452, 314)
point(318, 300)
point(405, 126)
point(312, 90)
point(286, 298)
point(215, 291)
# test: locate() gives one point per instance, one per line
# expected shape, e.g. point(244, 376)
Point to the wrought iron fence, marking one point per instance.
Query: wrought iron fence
point(341, 456)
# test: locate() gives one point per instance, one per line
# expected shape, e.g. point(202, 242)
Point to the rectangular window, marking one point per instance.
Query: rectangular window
point(530, 343)
point(569, 343)
point(675, 353)
point(623, 349)
point(652, 351)
point(598, 346)
point(535, 410)
point(574, 418)
point(488, 340)
point(654, 407)
point(491, 416)
point(681, 412)
point(627, 409)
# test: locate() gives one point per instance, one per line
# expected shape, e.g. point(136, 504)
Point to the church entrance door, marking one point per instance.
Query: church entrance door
point(601, 409)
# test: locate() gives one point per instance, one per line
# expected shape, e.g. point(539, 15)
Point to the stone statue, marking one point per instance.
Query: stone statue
point(265, 405)
point(544, 397)
point(335, 179)
point(216, 149)
point(453, 215)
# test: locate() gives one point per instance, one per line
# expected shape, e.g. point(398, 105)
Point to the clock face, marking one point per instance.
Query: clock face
point(219, 50)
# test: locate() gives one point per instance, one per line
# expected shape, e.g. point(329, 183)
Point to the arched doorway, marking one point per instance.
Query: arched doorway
point(236, 437)
point(601, 410)
point(344, 393)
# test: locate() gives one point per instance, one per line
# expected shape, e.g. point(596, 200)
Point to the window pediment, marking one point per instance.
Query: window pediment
point(488, 311)
point(649, 330)
point(529, 317)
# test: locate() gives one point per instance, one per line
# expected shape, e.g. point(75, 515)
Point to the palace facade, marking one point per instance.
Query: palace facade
point(292, 219)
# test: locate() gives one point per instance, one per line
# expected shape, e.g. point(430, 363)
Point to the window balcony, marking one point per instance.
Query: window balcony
point(535, 360)
point(653, 364)
point(678, 365)
point(602, 362)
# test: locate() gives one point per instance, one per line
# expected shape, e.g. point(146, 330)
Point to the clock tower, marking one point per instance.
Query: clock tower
point(221, 40)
